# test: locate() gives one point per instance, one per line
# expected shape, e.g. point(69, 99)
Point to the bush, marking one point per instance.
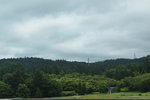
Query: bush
point(69, 93)
point(125, 89)
point(140, 94)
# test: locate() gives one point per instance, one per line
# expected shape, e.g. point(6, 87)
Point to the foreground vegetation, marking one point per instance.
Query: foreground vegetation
point(122, 95)
point(36, 77)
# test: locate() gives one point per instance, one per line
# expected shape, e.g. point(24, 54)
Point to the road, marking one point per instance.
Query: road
point(69, 99)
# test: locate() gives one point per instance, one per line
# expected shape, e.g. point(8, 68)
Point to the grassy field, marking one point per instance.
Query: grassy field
point(121, 95)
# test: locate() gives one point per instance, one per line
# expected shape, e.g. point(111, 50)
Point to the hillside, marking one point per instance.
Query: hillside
point(140, 65)
point(37, 77)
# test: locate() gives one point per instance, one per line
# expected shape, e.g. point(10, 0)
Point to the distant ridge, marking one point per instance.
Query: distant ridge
point(58, 66)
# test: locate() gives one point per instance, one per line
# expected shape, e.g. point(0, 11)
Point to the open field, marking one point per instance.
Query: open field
point(122, 95)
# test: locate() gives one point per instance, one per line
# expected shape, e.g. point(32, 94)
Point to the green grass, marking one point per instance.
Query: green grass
point(121, 95)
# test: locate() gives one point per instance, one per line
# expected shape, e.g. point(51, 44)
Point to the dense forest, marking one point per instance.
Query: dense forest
point(37, 77)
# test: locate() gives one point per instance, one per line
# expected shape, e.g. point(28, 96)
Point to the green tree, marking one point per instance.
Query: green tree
point(52, 88)
point(38, 93)
point(16, 76)
point(81, 88)
point(103, 86)
point(23, 91)
point(119, 72)
point(5, 90)
point(45, 86)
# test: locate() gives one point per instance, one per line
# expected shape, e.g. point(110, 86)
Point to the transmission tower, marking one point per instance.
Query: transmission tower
point(134, 55)
point(88, 61)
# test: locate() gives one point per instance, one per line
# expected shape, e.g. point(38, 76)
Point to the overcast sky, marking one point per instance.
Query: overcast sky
point(74, 29)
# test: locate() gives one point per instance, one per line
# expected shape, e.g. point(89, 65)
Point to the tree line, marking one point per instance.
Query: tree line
point(37, 77)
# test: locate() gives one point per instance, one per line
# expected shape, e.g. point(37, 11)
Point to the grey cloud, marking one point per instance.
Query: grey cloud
point(74, 29)
point(30, 8)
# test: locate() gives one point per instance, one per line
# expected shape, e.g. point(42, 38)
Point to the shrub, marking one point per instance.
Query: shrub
point(125, 89)
point(140, 94)
point(68, 93)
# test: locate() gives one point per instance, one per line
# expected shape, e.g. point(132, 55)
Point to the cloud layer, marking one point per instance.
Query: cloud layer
point(75, 29)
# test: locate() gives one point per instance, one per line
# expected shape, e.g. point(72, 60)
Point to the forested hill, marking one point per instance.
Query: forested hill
point(108, 67)
point(37, 77)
